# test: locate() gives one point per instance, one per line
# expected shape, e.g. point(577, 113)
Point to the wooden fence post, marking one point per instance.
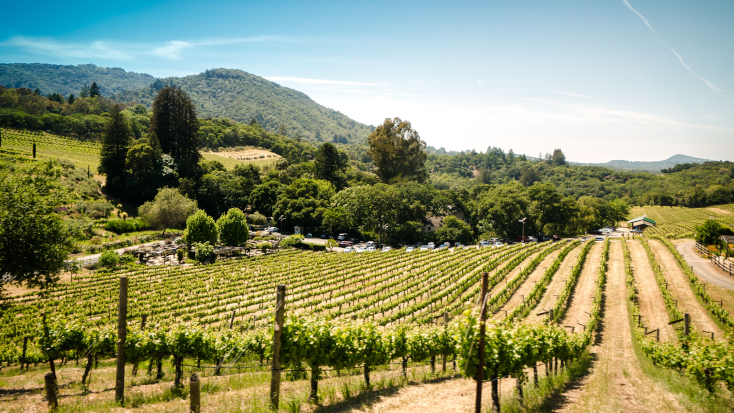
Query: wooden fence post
point(480, 367)
point(445, 325)
point(231, 320)
point(121, 337)
point(686, 324)
point(194, 394)
point(22, 357)
point(278, 330)
point(51, 391)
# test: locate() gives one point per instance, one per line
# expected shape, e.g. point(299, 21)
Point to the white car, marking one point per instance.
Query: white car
point(370, 243)
point(410, 249)
point(371, 249)
point(349, 249)
point(599, 239)
point(424, 248)
point(431, 245)
point(484, 243)
point(386, 248)
point(498, 244)
point(361, 249)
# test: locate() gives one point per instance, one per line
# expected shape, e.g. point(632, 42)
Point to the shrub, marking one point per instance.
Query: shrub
point(119, 226)
point(109, 259)
point(292, 240)
point(204, 251)
point(232, 227)
point(264, 246)
point(180, 255)
point(201, 228)
point(96, 240)
point(257, 219)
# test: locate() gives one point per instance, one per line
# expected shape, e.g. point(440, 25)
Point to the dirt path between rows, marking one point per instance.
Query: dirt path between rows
point(615, 382)
point(548, 300)
point(582, 295)
point(651, 303)
point(681, 289)
point(526, 286)
point(512, 274)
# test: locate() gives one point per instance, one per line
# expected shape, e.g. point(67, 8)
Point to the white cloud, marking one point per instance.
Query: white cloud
point(575, 95)
point(46, 45)
point(709, 84)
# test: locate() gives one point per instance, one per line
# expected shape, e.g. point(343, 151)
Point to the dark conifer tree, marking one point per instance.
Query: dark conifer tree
point(71, 99)
point(252, 121)
point(84, 93)
point(94, 90)
point(37, 91)
point(115, 144)
point(176, 126)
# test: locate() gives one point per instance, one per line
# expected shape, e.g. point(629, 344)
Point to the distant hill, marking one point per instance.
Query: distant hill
point(653, 166)
point(240, 96)
point(219, 93)
point(70, 79)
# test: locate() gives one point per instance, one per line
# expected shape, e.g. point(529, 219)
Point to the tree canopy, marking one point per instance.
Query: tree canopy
point(169, 209)
point(398, 152)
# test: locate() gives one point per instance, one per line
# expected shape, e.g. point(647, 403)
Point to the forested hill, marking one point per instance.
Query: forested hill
point(219, 93)
point(240, 96)
point(654, 166)
point(67, 79)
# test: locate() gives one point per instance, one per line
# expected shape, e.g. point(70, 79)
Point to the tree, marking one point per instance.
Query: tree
point(281, 130)
point(94, 90)
point(34, 241)
point(84, 93)
point(454, 230)
point(545, 205)
point(708, 233)
point(264, 197)
point(503, 208)
point(109, 259)
point(233, 228)
point(304, 201)
point(336, 219)
point(253, 121)
point(529, 176)
point(115, 144)
point(398, 151)
point(200, 227)
point(558, 158)
point(71, 99)
point(331, 164)
point(175, 123)
point(331, 244)
point(169, 209)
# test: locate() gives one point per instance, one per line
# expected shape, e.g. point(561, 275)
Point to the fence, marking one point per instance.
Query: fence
point(720, 262)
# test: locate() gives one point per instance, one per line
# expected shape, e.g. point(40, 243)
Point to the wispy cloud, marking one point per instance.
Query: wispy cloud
point(320, 81)
point(172, 49)
point(709, 84)
point(47, 45)
point(572, 94)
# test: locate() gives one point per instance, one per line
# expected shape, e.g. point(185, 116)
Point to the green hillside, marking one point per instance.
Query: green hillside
point(652, 166)
point(68, 79)
point(240, 96)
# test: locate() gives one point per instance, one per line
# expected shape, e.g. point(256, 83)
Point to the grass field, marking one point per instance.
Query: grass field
point(390, 291)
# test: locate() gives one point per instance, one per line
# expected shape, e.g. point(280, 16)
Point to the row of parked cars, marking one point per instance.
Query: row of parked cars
point(370, 247)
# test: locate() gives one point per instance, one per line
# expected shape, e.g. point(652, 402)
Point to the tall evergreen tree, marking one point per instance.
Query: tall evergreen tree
point(84, 93)
point(115, 144)
point(175, 124)
point(94, 90)
point(71, 99)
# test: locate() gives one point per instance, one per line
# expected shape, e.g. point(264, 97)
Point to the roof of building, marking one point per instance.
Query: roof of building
point(642, 218)
point(729, 239)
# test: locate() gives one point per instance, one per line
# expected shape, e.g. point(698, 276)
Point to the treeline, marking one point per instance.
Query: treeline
point(689, 185)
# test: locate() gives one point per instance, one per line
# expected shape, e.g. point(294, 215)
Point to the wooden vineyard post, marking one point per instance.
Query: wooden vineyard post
point(686, 324)
point(143, 319)
point(278, 330)
point(51, 391)
point(194, 394)
point(45, 332)
point(445, 325)
point(121, 337)
point(22, 357)
point(480, 367)
point(231, 320)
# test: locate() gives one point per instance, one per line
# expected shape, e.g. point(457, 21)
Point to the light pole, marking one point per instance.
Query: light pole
point(282, 218)
point(523, 229)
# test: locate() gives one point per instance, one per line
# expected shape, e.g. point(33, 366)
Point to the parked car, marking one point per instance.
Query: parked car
point(424, 248)
point(271, 229)
point(636, 231)
point(431, 245)
point(361, 249)
point(458, 245)
point(371, 249)
point(349, 249)
point(442, 246)
point(409, 248)
point(342, 237)
point(345, 244)
point(498, 244)
point(597, 239)
point(386, 248)
point(556, 238)
point(370, 243)
point(484, 243)
point(532, 239)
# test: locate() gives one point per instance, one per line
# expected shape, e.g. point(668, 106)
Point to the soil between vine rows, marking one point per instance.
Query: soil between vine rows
point(651, 303)
point(681, 289)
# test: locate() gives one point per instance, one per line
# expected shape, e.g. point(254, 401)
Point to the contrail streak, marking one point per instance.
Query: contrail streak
point(709, 84)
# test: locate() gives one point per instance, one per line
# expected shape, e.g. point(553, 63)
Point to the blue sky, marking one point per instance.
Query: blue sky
point(614, 79)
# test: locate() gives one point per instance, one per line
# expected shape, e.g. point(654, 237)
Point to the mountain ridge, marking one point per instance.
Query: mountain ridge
point(647, 166)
